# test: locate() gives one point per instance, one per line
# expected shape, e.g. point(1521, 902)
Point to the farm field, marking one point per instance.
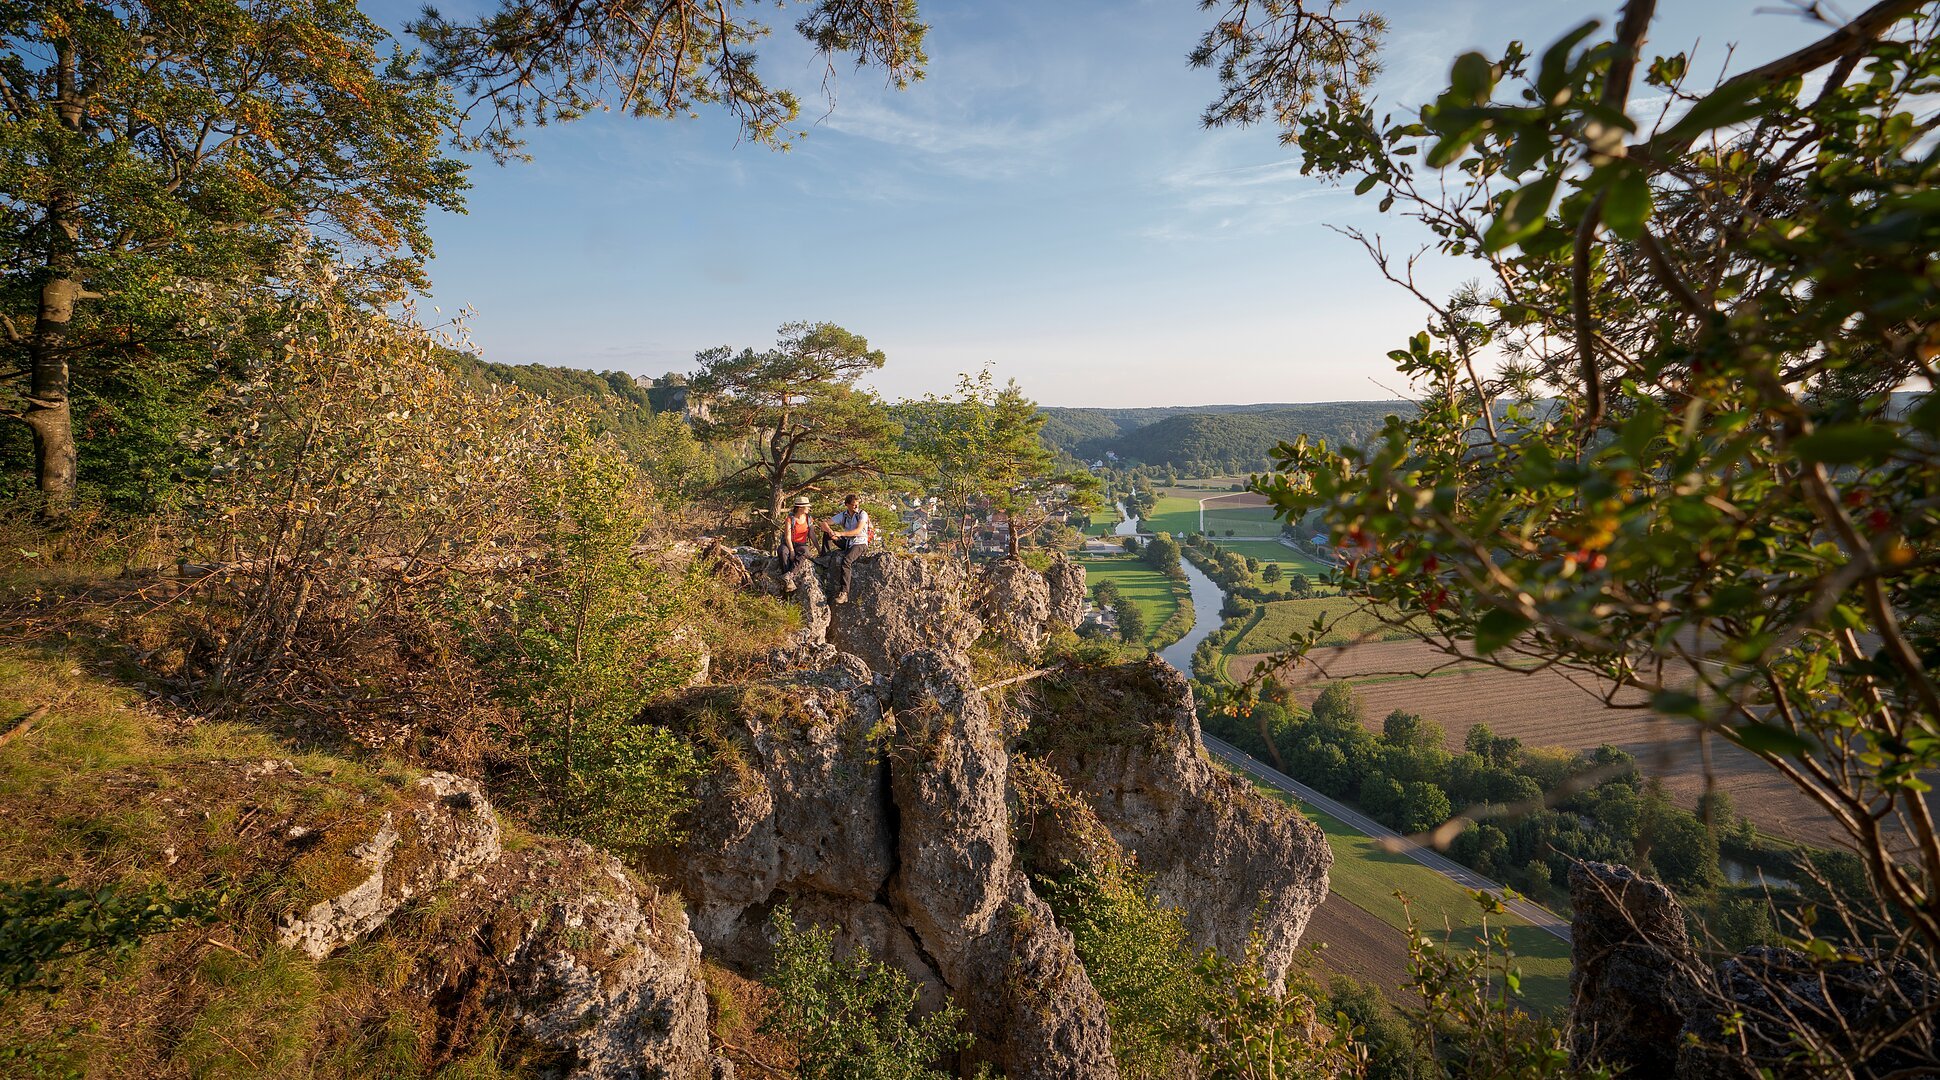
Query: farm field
point(1155, 594)
point(1211, 485)
point(1246, 514)
point(1272, 627)
point(1104, 521)
point(1173, 514)
point(1242, 513)
point(1551, 709)
point(1272, 551)
point(1372, 942)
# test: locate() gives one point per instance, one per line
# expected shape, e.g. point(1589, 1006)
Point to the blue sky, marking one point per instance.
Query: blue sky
point(1045, 202)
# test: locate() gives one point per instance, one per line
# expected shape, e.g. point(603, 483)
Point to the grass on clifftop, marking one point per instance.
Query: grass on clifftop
point(105, 789)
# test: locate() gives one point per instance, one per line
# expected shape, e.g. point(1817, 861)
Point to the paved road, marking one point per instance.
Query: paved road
point(1433, 860)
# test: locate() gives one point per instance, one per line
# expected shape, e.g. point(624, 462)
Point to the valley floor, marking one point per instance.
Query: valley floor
point(1549, 709)
point(1364, 926)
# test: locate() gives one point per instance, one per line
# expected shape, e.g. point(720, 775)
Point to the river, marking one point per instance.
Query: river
point(1207, 599)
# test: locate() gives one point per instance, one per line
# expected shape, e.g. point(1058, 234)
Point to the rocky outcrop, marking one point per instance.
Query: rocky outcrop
point(1027, 996)
point(1066, 580)
point(884, 796)
point(598, 971)
point(593, 964)
point(1643, 1000)
point(1126, 741)
point(440, 827)
point(1632, 954)
point(901, 603)
point(1015, 603)
point(797, 809)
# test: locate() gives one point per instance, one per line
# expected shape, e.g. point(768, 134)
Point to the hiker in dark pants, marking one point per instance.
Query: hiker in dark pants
point(850, 528)
point(794, 546)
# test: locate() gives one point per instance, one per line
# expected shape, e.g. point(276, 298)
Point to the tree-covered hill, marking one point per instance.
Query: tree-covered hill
point(1211, 438)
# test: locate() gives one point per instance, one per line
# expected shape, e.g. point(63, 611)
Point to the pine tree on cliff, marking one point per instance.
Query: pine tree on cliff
point(807, 425)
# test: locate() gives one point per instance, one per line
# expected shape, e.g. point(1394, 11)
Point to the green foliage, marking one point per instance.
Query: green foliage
point(800, 416)
point(1162, 554)
point(579, 643)
point(1235, 441)
point(147, 232)
point(1131, 621)
point(529, 65)
point(1251, 1031)
point(852, 1019)
point(45, 923)
point(641, 421)
point(1141, 960)
point(1472, 1008)
point(980, 451)
point(1393, 1051)
point(1682, 852)
point(354, 469)
point(1423, 806)
point(1338, 706)
point(1700, 461)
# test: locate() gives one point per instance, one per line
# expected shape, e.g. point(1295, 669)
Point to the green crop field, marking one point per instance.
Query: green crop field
point(1156, 595)
point(1274, 625)
point(1179, 514)
point(1173, 515)
point(1104, 521)
point(1367, 875)
point(1241, 521)
point(1291, 562)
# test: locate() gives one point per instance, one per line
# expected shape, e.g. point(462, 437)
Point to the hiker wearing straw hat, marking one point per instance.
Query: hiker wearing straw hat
point(794, 543)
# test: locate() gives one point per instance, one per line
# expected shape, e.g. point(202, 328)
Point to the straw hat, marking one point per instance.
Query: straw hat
point(801, 500)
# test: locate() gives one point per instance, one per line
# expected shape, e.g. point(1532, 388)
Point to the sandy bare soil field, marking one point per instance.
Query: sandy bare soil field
point(1549, 709)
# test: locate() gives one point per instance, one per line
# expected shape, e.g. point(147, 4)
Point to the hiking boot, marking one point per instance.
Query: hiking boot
point(842, 597)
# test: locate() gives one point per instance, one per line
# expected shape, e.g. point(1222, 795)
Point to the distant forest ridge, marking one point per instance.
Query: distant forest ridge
point(1195, 440)
point(1206, 440)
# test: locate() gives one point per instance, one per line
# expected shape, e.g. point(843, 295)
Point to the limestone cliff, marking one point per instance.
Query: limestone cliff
point(876, 789)
point(591, 967)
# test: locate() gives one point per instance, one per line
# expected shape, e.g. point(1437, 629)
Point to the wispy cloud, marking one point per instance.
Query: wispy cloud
point(1203, 200)
point(967, 147)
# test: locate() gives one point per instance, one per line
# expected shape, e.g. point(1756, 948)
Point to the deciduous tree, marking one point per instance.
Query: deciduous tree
point(150, 147)
point(1699, 477)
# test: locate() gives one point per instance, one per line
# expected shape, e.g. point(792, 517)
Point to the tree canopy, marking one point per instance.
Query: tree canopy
point(156, 159)
point(537, 63)
point(806, 424)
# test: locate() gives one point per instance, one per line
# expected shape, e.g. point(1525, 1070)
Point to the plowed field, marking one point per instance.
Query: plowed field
point(1358, 945)
point(1552, 709)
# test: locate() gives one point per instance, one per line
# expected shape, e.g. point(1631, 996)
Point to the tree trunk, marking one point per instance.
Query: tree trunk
point(47, 414)
point(778, 480)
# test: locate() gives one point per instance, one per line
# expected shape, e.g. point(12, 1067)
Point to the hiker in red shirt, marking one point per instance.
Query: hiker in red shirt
point(794, 546)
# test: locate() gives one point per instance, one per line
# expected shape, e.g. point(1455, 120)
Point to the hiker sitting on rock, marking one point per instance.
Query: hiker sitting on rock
point(850, 528)
point(794, 546)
